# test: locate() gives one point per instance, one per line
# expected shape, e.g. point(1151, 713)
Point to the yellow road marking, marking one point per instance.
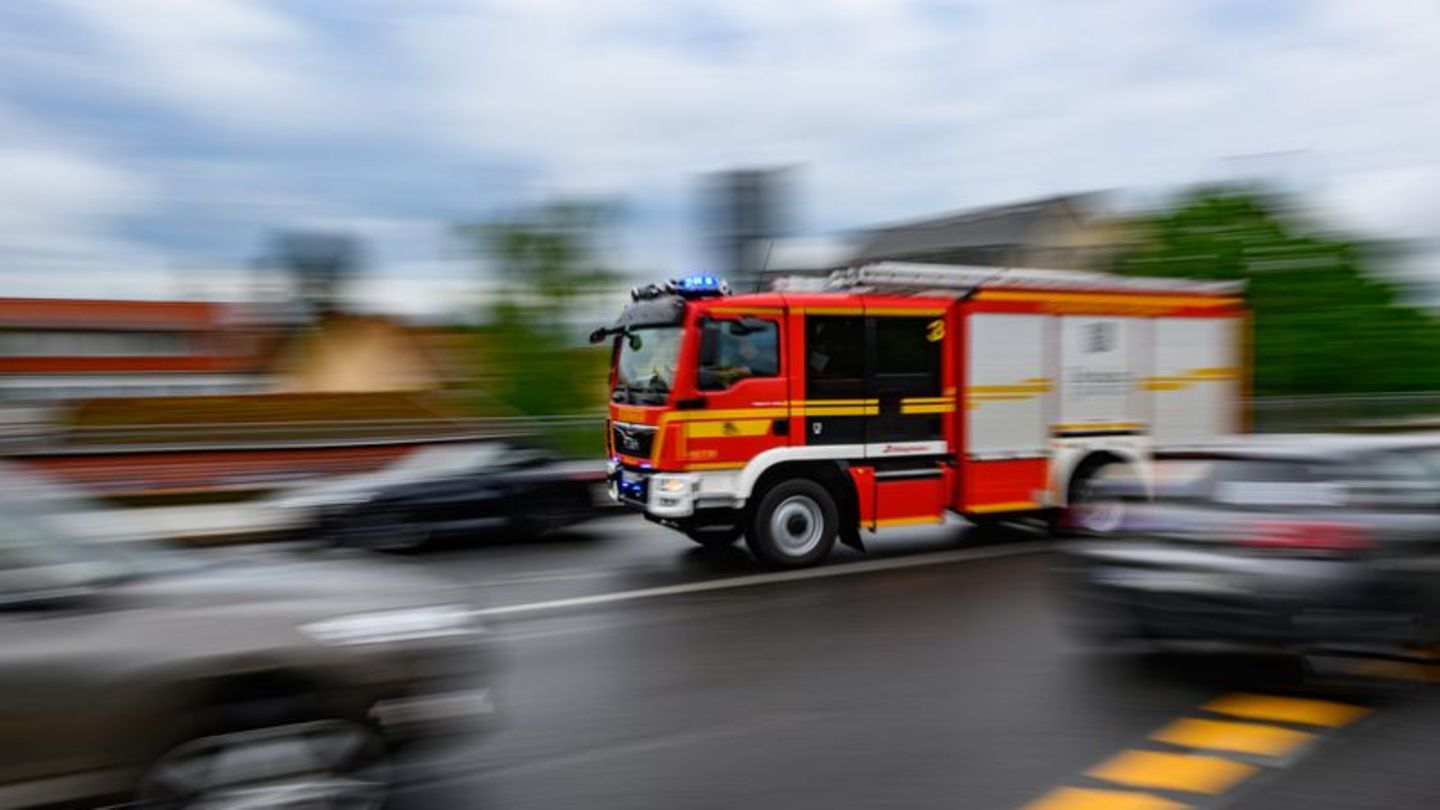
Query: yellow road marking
point(1224, 735)
point(1192, 773)
point(1287, 710)
point(1089, 799)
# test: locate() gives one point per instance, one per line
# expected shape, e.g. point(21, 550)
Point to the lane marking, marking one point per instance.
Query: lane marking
point(1191, 773)
point(1092, 799)
point(1225, 735)
point(1210, 760)
point(847, 569)
point(1304, 711)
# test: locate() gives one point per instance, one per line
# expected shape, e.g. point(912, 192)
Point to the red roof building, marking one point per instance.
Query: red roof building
point(58, 349)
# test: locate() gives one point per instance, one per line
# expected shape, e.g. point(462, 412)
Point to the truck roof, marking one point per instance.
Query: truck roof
point(951, 281)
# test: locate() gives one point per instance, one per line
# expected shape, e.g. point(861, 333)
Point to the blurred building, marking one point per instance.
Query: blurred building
point(744, 217)
point(356, 353)
point(1069, 232)
point(61, 349)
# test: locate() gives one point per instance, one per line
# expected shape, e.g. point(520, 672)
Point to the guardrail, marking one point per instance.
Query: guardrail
point(1412, 410)
point(1270, 414)
point(86, 439)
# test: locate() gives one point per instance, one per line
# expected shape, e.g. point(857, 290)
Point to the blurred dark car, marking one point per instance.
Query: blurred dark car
point(447, 490)
point(1303, 543)
point(134, 673)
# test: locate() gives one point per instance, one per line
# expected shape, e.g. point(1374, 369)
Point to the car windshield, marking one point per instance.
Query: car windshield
point(645, 368)
point(455, 459)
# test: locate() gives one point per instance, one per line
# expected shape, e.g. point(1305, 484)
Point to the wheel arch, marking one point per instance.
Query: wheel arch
point(833, 474)
point(1069, 467)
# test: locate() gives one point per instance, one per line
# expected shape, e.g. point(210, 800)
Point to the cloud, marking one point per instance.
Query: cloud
point(232, 63)
point(229, 117)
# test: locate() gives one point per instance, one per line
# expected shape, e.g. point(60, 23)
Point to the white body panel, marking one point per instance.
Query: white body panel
point(1007, 394)
point(1196, 382)
point(1101, 360)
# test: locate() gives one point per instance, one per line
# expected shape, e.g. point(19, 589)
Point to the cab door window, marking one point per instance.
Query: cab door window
point(906, 378)
point(732, 351)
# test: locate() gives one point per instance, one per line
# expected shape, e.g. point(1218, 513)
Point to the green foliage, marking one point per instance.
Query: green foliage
point(527, 355)
point(1321, 325)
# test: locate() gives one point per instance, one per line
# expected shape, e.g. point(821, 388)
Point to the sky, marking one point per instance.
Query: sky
point(149, 147)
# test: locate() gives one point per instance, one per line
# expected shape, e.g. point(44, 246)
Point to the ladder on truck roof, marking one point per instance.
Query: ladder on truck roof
point(960, 280)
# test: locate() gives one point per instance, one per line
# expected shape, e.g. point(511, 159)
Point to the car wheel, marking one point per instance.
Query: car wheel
point(327, 763)
point(395, 536)
point(1090, 512)
point(794, 525)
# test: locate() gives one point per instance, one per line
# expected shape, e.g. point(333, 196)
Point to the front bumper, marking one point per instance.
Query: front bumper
point(659, 494)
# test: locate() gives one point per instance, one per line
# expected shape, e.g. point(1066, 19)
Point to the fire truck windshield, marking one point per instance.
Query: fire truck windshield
point(645, 367)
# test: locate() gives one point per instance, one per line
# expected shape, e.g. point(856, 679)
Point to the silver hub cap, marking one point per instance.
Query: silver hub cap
point(798, 525)
point(1099, 516)
point(313, 765)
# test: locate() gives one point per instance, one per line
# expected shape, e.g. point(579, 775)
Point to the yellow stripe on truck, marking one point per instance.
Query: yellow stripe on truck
point(738, 427)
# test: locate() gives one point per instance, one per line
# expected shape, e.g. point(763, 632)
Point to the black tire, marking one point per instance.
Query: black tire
point(1084, 514)
point(716, 536)
point(793, 525)
point(347, 765)
point(384, 535)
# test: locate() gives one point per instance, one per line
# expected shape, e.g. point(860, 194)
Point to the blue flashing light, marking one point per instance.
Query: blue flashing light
point(702, 284)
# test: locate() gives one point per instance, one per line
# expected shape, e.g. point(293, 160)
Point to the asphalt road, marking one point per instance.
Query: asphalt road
point(638, 671)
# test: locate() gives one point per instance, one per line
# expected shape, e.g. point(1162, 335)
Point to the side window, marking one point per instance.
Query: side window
point(740, 354)
point(834, 357)
point(907, 350)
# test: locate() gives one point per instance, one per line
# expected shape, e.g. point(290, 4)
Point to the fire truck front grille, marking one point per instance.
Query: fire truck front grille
point(632, 440)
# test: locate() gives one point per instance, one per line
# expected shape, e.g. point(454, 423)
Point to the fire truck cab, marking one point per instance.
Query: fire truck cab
point(893, 394)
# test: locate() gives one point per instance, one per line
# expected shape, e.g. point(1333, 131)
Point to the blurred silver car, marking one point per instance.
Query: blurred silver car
point(134, 673)
point(1306, 543)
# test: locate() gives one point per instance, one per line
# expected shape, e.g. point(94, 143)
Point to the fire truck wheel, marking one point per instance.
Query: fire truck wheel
point(793, 525)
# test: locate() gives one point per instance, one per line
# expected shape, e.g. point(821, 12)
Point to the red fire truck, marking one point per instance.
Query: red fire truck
point(891, 394)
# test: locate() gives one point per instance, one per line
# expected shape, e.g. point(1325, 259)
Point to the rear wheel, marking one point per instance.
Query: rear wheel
point(385, 535)
point(793, 525)
point(1093, 508)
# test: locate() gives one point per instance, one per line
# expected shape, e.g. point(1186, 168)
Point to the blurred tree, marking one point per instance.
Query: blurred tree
point(1321, 324)
point(318, 266)
point(530, 354)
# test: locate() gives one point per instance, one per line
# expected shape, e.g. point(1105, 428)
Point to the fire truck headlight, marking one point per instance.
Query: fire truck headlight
point(671, 485)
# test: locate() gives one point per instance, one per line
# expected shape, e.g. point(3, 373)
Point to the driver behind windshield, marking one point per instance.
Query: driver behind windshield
point(748, 355)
